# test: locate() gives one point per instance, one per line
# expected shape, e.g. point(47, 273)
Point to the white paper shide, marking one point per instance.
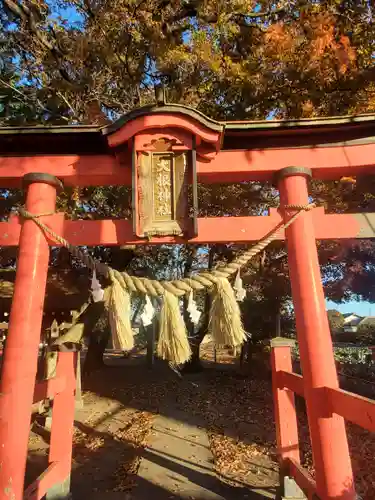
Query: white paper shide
point(97, 291)
point(193, 311)
point(238, 288)
point(148, 312)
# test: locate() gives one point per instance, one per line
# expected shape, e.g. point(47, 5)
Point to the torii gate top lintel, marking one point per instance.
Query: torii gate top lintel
point(258, 135)
point(170, 118)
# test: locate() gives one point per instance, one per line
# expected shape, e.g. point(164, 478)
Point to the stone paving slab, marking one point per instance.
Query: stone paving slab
point(178, 464)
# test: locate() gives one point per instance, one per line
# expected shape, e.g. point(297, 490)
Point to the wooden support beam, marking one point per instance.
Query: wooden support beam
point(331, 162)
point(284, 403)
point(232, 229)
point(38, 488)
point(48, 388)
point(355, 408)
point(302, 478)
point(292, 381)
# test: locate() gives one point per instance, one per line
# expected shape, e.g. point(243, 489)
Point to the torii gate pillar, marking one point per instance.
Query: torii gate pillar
point(21, 351)
point(333, 470)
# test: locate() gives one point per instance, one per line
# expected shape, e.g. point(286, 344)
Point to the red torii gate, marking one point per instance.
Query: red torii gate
point(288, 153)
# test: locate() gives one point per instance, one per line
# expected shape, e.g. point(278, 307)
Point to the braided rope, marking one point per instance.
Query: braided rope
point(86, 259)
point(179, 287)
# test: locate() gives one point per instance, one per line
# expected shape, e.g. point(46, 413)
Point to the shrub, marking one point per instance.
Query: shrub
point(366, 333)
point(336, 320)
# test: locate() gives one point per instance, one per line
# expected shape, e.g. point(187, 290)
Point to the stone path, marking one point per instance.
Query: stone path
point(125, 409)
point(178, 464)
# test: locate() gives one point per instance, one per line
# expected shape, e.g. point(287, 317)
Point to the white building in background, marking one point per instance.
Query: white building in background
point(351, 322)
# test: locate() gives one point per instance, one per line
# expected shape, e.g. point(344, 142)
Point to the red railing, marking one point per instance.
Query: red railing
point(352, 407)
point(62, 389)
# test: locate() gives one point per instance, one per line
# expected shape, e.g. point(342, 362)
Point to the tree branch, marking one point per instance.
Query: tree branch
point(27, 16)
point(191, 10)
point(61, 95)
point(26, 97)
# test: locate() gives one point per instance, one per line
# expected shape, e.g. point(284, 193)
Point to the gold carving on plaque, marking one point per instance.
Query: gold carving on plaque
point(162, 208)
point(162, 183)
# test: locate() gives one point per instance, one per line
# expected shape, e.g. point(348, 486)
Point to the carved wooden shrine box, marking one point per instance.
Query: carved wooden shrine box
point(164, 176)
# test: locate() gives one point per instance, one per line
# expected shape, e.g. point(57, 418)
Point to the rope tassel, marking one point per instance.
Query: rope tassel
point(119, 317)
point(225, 325)
point(173, 344)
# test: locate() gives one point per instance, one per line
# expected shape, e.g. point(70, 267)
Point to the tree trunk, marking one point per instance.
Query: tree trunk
point(194, 364)
point(94, 359)
point(98, 340)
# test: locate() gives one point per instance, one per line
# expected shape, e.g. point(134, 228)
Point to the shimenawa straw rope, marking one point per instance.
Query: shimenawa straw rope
point(225, 325)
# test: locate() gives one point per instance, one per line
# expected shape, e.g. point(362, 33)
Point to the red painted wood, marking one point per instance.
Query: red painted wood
point(63, 414)
point(180, 139)
point(352, 407)
point(232, 229)
point(284, 406)
point(39, 487)
point(226, 166)
point(48, 388)
point(293, 382)
point(162, 121)
point(302, 478)
point(73, 170)
point(334, 476)
point(325, 162)
point(21, 353)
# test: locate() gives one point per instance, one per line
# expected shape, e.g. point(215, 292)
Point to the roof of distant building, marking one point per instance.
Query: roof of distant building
point(346, 315)
point(368, 320)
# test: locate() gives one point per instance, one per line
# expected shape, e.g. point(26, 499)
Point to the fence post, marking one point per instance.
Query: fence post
point(284, 403)
point(62, 424)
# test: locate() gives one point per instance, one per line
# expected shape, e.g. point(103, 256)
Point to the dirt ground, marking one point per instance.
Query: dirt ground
point(120, 403)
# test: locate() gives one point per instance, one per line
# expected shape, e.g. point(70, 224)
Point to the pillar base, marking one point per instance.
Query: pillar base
point(60, 491)
point(292, 491)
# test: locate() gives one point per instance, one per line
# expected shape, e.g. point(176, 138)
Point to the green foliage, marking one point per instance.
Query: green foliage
point(336, 320)
point(348, 355)
point(366, 332)
point(347, 337)
point(354, 356)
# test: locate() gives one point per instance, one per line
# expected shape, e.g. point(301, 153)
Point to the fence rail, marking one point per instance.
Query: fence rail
point(352, 407)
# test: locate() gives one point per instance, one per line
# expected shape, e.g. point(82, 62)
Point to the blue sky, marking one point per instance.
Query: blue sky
point(361, 308)
point(69, 13)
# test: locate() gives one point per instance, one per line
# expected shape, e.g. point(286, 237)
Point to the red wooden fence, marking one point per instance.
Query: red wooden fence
point(352, 407)
point(62, 388)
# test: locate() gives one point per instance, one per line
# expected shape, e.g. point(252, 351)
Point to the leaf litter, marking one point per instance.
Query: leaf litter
point(116, 424)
